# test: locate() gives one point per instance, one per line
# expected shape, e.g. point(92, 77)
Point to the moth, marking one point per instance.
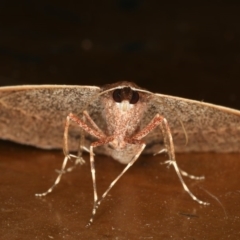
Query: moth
point(121, 120)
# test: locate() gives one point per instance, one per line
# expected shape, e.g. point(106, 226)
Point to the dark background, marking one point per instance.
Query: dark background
point(180, 49)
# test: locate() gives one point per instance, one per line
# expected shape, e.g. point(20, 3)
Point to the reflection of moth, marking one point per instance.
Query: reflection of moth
point(121, 120)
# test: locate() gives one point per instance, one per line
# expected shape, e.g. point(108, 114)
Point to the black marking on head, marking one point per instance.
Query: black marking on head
point(125, 93)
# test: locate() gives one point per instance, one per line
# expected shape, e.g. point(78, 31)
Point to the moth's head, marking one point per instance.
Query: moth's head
point(125, 98)
point(124, 95)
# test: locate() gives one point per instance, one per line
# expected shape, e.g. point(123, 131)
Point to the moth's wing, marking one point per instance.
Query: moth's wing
point(35, 115)
point(208, 127)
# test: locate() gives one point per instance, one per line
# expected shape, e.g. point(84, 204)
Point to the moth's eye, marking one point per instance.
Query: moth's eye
point(135, 97)
point(117, 95)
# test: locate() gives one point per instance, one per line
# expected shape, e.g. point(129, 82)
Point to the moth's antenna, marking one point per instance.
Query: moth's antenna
point(184, 130)
point(93, 98)
point(111, 89)
point(180, 120)
point(213, 196)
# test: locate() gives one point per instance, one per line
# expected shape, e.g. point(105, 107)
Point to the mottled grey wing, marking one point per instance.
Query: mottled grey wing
point(35, 115)
point(208, 127)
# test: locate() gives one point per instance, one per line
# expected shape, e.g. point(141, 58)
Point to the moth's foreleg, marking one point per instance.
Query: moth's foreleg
point(83, 128)
point(93, 171)
point(94, 131)
point(98, 202)
point(79, 159)
point(168, 140)
point(93, 124)
point(169, 148)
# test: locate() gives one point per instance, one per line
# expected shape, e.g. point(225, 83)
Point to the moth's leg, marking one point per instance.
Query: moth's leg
point(93, 124)
point(83, 127)
point(168, 132)
point(57, 179)
point(82, 135)
point(60, 173)
point(98, 202)
point(93, 172)
point(164, 150)
point(67, 157)
point(185, 174)
point(168, 141)
point(81, 147)
point(81, 143)
point(78, 158)
point(86, 128)
point(171, 153)
point(101, 142)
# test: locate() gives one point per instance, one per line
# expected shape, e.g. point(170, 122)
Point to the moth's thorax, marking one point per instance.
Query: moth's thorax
point(122, 118)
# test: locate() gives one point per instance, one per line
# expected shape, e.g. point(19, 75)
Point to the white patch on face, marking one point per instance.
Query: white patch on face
point(124, 105)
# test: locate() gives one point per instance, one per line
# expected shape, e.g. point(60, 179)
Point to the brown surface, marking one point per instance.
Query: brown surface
point(147, 203)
